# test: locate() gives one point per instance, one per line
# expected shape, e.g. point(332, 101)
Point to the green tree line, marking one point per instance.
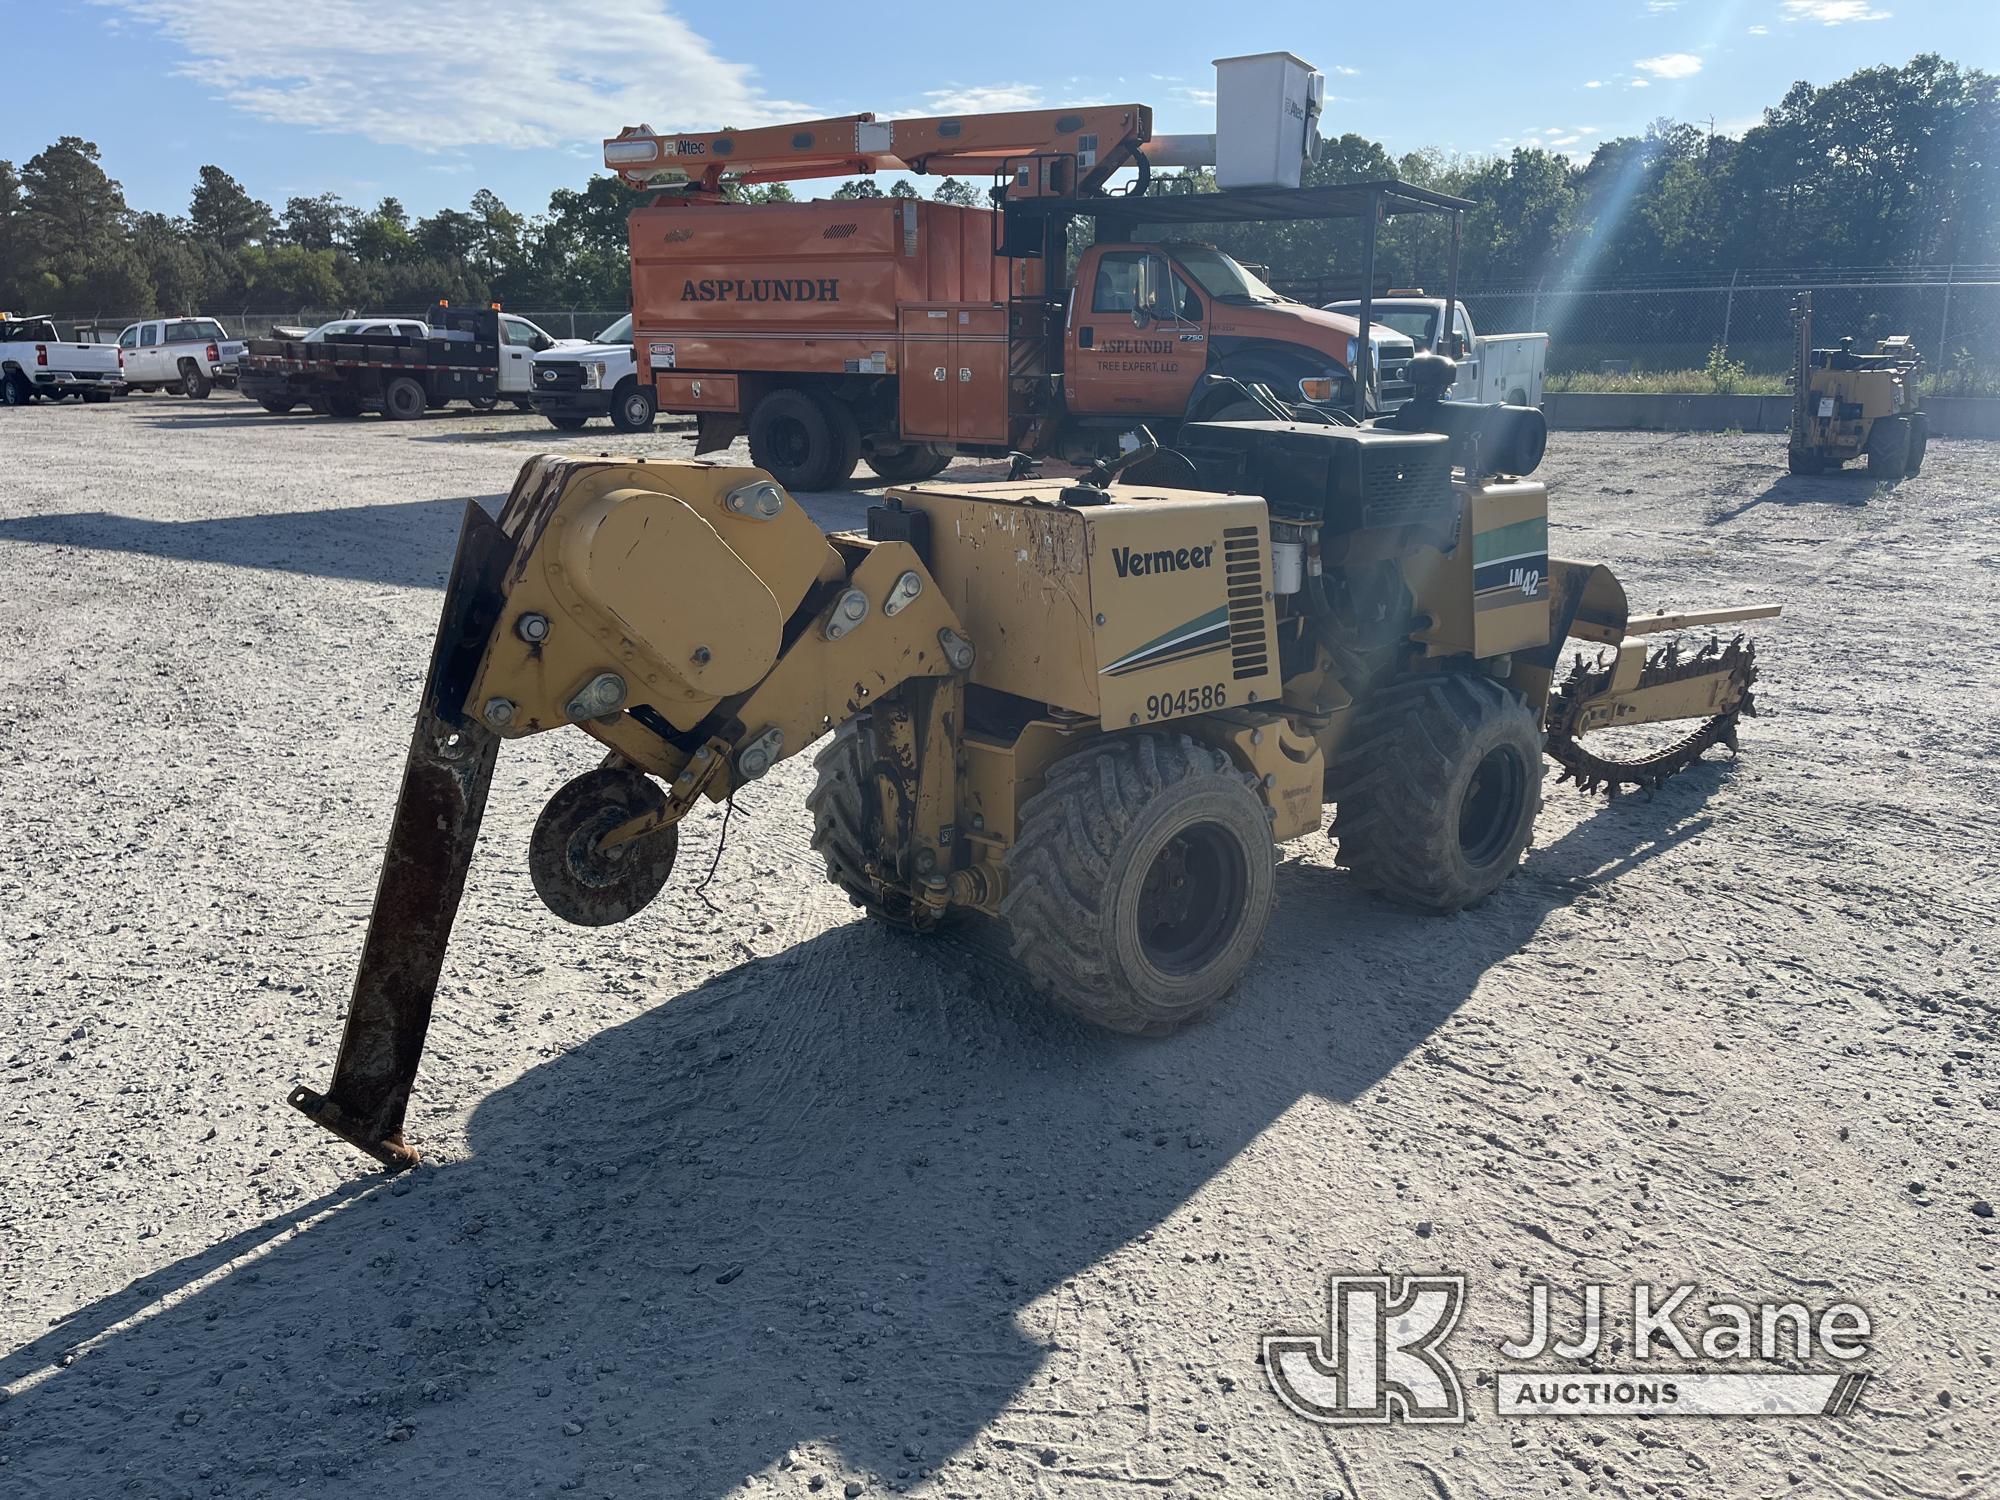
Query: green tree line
point(1890, 166)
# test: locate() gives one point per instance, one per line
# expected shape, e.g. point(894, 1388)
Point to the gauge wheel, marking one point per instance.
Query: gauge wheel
point(588, 885)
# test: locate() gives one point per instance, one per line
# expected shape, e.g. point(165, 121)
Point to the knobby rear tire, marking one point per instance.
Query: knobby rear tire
point(1081, 898)
point(1436, 789)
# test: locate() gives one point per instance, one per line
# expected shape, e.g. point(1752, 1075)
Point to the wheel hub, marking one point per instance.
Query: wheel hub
point(1191, 899)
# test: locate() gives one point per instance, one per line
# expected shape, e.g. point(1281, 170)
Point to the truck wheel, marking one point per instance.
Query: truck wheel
point(632, 406)
point(1804, 461)
point(277, 408)
point(482, 403)
point(847, 823)
point(1142, 881)
point(403, 400)
point(1889, 449)
point(568, 423)
point(909, 463)
point(1920, 439)
point(1517, 398)
point(343, 404)
point(845, 429)
point(792, 440)
point(15, 389)
point(1437, 789)
point(195, 384)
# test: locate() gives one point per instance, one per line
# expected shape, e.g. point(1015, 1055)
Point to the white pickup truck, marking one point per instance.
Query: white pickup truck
point(35, 361)
point(575, 382)
point(189, 355)
point(1491, 367)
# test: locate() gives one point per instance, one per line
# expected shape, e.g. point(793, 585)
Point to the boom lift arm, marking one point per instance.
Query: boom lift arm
point(1081, 147)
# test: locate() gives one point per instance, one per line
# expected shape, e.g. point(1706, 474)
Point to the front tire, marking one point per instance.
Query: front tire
point(792, 439)
point(1142, 881)
point(633, 406)
point(1437, 789)
point(1920, 439)
point(910, 463)
point(570, 423)
point(1889, 449)
point(1804, 462)
point(846, 804)
point(276, 408)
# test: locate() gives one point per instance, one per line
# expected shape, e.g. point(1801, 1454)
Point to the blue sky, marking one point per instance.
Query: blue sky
point(432, 99)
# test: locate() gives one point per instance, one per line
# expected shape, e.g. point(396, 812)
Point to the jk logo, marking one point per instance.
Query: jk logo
point(1379, 1358)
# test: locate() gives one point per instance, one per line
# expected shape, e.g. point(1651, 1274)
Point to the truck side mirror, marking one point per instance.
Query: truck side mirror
point(1142, 293)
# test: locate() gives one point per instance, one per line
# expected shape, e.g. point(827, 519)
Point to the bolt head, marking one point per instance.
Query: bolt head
point(498, 712)
point(702, 656)
point(854, 606)
point(532, 628)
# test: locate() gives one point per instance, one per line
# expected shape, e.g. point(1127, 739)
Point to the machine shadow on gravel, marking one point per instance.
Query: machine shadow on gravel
point(408, 544)
point(1849, 491)
point(706, 1236)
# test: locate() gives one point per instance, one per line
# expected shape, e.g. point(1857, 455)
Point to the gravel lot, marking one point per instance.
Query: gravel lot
point(759, 1199)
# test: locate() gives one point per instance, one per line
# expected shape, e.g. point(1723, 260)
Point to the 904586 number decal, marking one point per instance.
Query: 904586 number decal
point(1194, 700)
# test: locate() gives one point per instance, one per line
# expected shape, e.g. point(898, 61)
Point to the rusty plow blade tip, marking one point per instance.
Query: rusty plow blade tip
point(438, 810)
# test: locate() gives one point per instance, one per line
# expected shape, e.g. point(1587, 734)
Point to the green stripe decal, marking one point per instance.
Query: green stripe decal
point(1179, 633)
point(1522, 538)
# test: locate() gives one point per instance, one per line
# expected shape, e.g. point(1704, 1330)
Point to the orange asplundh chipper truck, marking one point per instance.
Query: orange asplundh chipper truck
point(900, 331)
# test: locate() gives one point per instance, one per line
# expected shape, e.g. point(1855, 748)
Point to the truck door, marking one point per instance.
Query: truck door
point(128, 346)
point(519, 339)
point(1137, 340)
point(148, 366)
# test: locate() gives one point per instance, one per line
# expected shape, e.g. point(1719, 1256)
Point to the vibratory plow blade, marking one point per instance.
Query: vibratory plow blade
point(438, 811)
point(1619, 697)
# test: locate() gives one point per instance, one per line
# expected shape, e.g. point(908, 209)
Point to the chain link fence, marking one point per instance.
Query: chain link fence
point(566, 323)
point(1951, 313)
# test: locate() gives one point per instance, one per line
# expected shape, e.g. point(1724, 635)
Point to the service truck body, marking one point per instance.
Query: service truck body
point(903, 318)
point(401, 367)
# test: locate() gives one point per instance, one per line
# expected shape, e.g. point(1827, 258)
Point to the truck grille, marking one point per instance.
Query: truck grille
point(1403, 486)
point(551, 375)
point(1392, 385)
point(1243, 562)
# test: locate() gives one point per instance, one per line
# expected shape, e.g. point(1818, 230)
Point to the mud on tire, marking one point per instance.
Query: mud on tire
point(1437, 789)
point(846, 811)
point(1142, 881)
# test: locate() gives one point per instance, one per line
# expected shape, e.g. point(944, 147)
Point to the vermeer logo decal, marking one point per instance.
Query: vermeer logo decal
point(1132, 564)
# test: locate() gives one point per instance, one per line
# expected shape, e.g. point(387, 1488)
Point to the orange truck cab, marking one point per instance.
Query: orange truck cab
point(901, 332)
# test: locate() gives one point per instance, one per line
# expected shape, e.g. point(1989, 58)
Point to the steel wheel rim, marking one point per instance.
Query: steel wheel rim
point(1192, 900)
point(1491, 806)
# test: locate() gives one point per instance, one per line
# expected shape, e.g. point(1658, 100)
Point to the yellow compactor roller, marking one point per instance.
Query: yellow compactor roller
point(1090, 709)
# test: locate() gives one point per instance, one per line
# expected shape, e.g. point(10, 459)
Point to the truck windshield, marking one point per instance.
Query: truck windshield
point(618, 333)
point(1220, 275)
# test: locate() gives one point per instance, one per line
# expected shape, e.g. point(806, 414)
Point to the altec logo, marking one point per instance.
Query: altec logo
point(801, 289)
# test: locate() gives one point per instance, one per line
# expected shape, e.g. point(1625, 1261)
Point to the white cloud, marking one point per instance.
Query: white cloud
point(1203, 96)
point(1595, 83)
point(1760, 31)
point(448, 74)
point(1344, 72)
point(1638, 83)
point(1661, 7)
point(1833, 12)
point(1670, 65)
point(983, 98)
